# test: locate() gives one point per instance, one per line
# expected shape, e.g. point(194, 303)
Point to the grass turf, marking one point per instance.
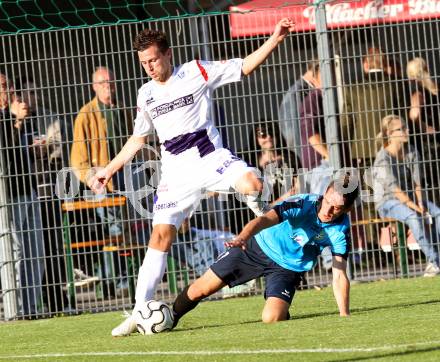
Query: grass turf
point(391, 321)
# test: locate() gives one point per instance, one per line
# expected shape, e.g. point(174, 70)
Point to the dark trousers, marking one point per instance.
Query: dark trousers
point(54, 279)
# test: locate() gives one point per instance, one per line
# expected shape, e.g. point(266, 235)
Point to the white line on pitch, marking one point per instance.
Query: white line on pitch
point(208, 353)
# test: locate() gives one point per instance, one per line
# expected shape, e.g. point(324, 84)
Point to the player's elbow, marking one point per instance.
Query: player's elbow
point(245, 70)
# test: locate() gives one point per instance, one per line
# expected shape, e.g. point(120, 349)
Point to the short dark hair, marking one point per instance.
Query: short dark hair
point(148, 37)
point(342, 186)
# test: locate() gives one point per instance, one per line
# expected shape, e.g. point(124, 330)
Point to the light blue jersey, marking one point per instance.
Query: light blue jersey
point(299, 238)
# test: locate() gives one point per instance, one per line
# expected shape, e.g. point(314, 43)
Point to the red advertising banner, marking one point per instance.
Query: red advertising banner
point(260, 16)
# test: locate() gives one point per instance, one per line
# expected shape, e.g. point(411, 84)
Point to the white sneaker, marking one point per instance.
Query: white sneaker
point(126, 328)
point(431, 270)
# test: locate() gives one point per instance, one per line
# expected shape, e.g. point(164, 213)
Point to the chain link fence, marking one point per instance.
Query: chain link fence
point(321, 97)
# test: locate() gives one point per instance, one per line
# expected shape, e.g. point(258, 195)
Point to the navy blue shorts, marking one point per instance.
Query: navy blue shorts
point(237, 266)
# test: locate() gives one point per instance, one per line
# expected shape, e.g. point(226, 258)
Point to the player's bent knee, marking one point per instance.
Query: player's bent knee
point(275, 310)
point(254, 188)
point(250, 184)
point(271, 317)
point(255, 185)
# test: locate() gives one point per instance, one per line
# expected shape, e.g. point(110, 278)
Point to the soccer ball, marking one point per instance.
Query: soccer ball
point(154, 317)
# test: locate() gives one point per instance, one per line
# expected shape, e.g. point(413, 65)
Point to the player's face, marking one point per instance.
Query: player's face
point(156, 64)
point(332, 206)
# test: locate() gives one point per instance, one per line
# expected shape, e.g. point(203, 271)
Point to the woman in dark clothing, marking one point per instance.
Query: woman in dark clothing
point(425, 116)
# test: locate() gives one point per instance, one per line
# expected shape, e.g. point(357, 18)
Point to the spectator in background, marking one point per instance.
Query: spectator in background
point(365, 105)
point(402, 85)
point(99, 129)
point(279, 165)
point(314, 152)
point(18, 142)
point(397, 188)
point(49, 133)
point(99, 134)
point(424, 115)
point(288, 113)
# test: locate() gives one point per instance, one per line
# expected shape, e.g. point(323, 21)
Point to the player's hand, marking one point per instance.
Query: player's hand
point(236, 243)
point(283, 28)
point(99, 181)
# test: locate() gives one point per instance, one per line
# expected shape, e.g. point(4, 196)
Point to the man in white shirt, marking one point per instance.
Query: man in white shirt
point(176, 103)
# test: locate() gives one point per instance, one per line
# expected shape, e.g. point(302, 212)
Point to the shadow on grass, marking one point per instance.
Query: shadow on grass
point(390, 354)
point(215, 326)
point(367, 309)
point(322, 314)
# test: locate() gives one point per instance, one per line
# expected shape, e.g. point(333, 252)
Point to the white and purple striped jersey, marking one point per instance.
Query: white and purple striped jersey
point(180, 109)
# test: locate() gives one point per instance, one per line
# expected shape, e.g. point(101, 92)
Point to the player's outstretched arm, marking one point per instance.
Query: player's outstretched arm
point(98, 182)
point(253, 60)
point(253, 227)
point(341, 285)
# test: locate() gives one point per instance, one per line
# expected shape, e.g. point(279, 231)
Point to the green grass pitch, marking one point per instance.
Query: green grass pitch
point(391, 321)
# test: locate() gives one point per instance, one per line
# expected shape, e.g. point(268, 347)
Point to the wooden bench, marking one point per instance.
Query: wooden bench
point(69, 206)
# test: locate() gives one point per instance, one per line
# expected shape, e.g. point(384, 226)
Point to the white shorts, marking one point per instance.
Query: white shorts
point(186, 178)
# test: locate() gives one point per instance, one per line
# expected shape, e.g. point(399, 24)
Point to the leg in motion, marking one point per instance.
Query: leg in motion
point(203, 287)
point(150, 273)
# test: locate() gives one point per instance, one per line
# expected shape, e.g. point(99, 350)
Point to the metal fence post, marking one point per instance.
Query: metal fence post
point(403, 257)
point(7, 267)
point(329, 99)
point(328, 89)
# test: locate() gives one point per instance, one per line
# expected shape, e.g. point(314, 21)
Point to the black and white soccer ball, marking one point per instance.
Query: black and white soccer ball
point(154, 317)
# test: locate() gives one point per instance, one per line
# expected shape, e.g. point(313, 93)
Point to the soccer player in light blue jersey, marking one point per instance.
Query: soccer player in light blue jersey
point(282, 245)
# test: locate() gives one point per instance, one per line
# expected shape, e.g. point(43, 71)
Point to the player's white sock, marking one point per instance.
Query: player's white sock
point(150, 274)
point(258, 207)
point(256, 203)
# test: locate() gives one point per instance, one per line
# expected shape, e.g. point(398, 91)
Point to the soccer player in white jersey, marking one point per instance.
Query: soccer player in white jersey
point(176, 102)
